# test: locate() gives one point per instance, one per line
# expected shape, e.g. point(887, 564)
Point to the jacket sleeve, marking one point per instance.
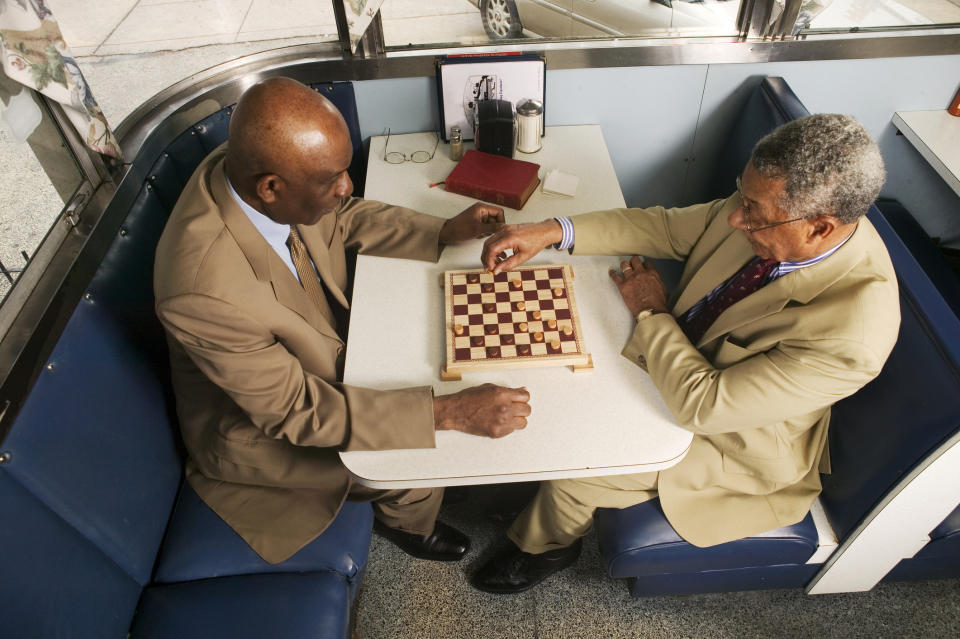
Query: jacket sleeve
point(796, 377)
point(375, 228)
point(652, 232)
point(268, 383)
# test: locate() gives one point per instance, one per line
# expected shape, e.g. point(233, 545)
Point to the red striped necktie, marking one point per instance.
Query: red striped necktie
point(750, 279)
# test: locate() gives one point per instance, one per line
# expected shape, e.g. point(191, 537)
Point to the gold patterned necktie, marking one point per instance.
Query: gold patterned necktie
point(308, 274)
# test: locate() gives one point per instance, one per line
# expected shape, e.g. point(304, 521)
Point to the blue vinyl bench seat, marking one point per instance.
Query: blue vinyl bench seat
point(638, 543)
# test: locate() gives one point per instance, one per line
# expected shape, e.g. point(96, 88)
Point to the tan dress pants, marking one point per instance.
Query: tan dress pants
point(562, 510)
point(411, 510)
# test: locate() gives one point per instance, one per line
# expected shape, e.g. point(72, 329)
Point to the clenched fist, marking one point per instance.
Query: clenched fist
point(487, 410)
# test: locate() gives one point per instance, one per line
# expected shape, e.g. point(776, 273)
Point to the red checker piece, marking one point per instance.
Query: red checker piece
point(493, 351)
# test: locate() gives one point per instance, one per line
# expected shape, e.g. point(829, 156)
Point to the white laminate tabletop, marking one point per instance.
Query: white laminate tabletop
point(611, 420)
point(936, 135)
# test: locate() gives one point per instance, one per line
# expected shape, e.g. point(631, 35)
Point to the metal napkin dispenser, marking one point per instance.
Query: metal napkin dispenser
point(493, 127)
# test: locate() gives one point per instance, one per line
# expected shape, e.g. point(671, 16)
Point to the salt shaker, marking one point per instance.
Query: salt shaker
point(529, 125)
point(456, 143)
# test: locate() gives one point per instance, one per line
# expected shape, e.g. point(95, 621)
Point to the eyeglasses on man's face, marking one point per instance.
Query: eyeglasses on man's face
point(396, 157)
point(748, 225)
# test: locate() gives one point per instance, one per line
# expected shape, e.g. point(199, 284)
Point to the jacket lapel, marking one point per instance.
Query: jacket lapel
point(264, 260)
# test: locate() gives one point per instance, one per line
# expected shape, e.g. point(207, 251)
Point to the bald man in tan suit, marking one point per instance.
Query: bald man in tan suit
point(788, 302)
point(249, 280)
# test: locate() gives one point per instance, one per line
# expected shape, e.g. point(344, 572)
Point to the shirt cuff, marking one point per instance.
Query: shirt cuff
point(567, 241)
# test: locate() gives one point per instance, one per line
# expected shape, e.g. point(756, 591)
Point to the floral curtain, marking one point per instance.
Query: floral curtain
point(34, 53)
point(359, 16)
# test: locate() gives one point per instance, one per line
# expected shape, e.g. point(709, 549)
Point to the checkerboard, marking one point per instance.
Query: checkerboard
point(515, 319)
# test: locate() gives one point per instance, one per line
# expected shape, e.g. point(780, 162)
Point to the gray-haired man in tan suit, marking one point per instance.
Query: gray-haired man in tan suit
point(788, 302)
point(249, 280)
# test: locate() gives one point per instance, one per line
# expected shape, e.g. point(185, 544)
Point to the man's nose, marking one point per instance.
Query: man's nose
point(736, 219)
point(345, 187)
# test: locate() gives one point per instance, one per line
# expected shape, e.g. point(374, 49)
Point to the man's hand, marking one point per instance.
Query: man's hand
point(480, 220)
point(525, 240)
point(640, 286)
point(487, 410)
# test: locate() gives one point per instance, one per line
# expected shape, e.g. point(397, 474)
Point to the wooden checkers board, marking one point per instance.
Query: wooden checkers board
point(520, 318)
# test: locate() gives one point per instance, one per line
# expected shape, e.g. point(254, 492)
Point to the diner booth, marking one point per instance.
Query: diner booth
point(102, 537)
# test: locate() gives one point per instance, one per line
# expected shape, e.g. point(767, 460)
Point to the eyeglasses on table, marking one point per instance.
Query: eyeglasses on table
point(396, 157)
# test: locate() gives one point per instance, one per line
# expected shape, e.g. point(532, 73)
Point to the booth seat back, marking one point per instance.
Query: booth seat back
point(892, 424)
point(91, 467)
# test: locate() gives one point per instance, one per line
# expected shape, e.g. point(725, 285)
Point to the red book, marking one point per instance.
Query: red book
point(494, 178)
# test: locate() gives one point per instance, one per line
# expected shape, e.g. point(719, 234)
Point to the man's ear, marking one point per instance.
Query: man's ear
point(822, 227)
point(269, 187)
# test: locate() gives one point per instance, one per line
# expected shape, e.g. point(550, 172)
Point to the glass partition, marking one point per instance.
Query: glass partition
point(849, 15)
point(409, 23)
point(37, 174)
point(485, 21)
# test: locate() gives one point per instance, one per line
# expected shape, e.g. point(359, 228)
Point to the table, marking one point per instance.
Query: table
point(936, 135)
point(611, 420)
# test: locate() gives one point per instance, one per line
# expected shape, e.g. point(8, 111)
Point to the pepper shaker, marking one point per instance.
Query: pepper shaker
point(456, 143)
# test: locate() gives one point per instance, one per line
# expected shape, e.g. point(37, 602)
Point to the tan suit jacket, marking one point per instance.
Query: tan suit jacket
point(756, 390)
point(256, 365)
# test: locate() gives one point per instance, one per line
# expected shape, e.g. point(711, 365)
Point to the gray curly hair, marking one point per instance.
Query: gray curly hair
point(830, 163)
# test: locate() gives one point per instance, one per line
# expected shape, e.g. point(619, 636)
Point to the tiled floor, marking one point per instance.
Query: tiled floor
point(405, 598)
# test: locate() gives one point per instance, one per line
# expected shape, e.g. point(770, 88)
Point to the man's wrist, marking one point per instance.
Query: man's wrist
point(565, 241)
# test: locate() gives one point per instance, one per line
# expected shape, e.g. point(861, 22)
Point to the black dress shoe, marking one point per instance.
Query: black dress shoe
point(515, 571)
point(443, 544)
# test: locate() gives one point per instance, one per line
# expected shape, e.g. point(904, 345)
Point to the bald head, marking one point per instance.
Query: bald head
point(282, 130)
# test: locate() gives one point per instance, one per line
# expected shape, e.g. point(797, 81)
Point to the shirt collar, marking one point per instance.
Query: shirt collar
point(274, 233)
point(786, 267)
